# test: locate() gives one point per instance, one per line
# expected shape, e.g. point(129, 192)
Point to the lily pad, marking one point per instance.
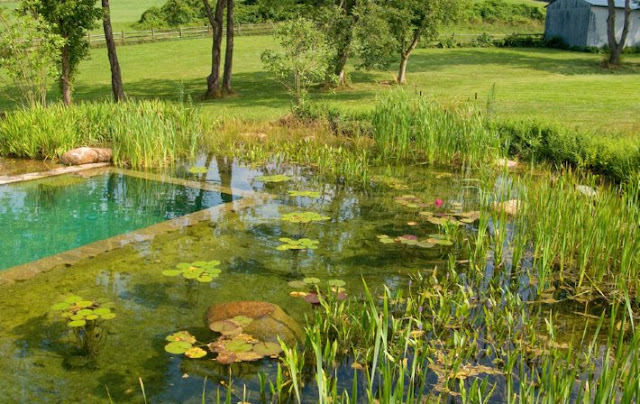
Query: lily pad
point(297, 284)
point(311, 281)
point(242, 321)
point(76, 323)
point(304, 217)
point(225, 327)
point(108, 316)
point(384, 239)
point(60, 306)
point(338, 283)
point(73, 299)
point(200, 271)
point(184, 336)
point(195, 353)
point(267, 348)
point(300, 244)
point(84, 303)
point(198, 170)
point(306, 194)
point(238, 345)
point(274, 178)
point(391, 182)
point(178, 347)
point(92, 317)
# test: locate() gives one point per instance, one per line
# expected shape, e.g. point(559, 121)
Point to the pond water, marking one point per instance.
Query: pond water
point(37, 347)
point(52, 215)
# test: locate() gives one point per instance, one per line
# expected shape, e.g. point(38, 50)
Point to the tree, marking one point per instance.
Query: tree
point(615, 46)
point(29, 52)
point(116, 75)
point(215, 19)
point(303, 60)
point(228, 56)
point(72, 20)
point(401, 24)
point(341, 20)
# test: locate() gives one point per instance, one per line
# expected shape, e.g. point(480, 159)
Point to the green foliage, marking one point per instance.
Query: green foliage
point(201, 271)
point(302, 61)
point(71, 19)
point(503, 11)
point(273, 178)
point(304, 217)
point(145, 133)
point(300, 244)
point(173, 13)
point(29, 52)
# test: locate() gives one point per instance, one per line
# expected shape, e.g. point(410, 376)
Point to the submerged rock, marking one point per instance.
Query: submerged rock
point(269, 321)
point(86, 155)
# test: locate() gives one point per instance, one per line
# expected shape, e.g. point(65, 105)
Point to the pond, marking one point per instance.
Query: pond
point(371, 235)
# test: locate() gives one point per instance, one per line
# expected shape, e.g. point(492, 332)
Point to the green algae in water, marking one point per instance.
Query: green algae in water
point(41, 219)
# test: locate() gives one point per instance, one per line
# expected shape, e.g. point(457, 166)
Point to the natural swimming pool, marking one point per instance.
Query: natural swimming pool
point(244, 237)
point(51, 215)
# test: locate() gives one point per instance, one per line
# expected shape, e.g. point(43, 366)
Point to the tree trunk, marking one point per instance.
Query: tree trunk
point(228, 56)
point(116, 75)
point(404, 56)
point(213, 81)
point(341, 63)
point(615, 46)
point(65, 76)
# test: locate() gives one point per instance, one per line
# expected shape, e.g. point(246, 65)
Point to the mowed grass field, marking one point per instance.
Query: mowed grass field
point(552, 85)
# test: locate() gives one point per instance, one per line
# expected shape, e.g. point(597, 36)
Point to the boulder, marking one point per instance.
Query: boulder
point(86, 155)
point(269, 321)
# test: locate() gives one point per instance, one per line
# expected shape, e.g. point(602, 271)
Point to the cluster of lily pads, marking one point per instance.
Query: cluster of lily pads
point(80, 312)
point(311, 284)
point(411, 240)
point(450, 218)
point(273, 178)
point(306, 194)
point(304, 217)
point(232, 346)
point(200, 271)
point(391, 182)
point(299, 244)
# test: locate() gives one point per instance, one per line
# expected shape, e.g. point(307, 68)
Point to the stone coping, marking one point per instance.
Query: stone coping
point(68, 258)
point(10, 179)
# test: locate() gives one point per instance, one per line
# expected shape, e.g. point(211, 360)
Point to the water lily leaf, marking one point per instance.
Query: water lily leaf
point(181, 336)
point(60, 306)
point(226, 358)
point(192, 273)
point(311, 281)
point(304, 217)
point(199, 263)
point(77, 317)
point(66, 314)
point(73, 299)
point(108, 316)
point(84, 303)
point(76, 323)
point(307, 194)
point(242, 321)
point(198, 170)
point(195, 353)
point(338, 283)
point(248, 356)
point(101, 311)
point(224, 326)
point(237, 345)
point(91, 317)
point(183, 265)
point(285, 240)
point(425, 244)
point(297, 284)
point(204, 278)
point(171, 272)
point(274, 178)
point(177, 347)
point(267, 348)
point(298, 294)
point(84, 312)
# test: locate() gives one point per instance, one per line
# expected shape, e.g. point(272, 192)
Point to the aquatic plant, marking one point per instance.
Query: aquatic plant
point(391, 182)
point(201, 271)
point(198, 170)
point(273, 178)
point(312, 293)
point(304, 217)
point(299, 244)
point(306, 194)
point(85, 318)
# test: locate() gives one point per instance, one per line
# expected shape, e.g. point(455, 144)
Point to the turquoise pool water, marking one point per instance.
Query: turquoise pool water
point(45, 217)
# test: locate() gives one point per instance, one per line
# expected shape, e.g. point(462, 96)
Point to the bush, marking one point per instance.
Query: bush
point(502, 11)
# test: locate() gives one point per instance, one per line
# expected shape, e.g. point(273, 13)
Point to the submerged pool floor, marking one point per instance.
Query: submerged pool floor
point(45, 217)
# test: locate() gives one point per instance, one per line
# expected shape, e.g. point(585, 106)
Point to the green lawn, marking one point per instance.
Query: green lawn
point(554, 85)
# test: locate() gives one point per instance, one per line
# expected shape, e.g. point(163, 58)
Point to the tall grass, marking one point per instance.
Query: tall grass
point(416, 128)
point(141, 133)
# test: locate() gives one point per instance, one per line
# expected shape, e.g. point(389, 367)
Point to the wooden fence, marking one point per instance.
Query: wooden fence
point(133, 37)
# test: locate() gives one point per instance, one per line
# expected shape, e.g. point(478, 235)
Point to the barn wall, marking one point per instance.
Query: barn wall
point(569, 20)
point(598, 27)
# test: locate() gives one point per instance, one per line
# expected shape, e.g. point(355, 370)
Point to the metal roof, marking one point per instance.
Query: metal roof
point(618, 3)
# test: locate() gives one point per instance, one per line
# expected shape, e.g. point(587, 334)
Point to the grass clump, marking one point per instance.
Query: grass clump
point(141, 133)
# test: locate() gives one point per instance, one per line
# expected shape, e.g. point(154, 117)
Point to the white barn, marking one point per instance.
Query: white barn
point(584, 22)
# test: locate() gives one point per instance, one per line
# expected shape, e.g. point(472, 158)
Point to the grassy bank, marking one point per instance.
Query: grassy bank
point(551, 85)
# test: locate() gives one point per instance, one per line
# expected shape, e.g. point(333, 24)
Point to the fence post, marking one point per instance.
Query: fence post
point(153, 35)
point(122, 33)
point(89, 38)
point(180, 28)
point(208, 29)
